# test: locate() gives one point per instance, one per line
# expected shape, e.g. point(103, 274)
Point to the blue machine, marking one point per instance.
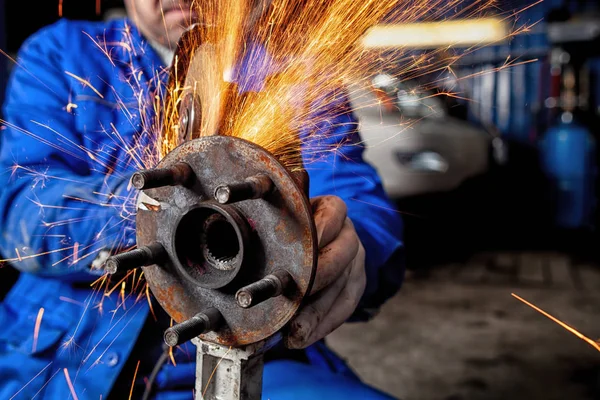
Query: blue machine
point(568, 147)
point(568, 157)
point(525, 103)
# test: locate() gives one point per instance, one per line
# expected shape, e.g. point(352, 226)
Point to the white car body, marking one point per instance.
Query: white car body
point(419, 154)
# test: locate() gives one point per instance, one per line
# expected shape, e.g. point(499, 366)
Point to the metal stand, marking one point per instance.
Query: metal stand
point(230, 373)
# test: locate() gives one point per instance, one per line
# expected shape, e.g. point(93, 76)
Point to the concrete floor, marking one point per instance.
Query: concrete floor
point(458, 334)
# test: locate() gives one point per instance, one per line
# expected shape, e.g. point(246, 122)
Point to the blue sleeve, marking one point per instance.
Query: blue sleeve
point(333, 156)
point(58, 205)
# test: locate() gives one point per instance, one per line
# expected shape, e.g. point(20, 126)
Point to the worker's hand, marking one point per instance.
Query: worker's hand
point(340, 279)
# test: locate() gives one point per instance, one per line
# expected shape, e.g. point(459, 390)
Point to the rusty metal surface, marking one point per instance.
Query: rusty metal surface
point(280, 235)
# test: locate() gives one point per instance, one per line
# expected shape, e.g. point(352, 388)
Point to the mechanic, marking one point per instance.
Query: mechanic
point(72, 115)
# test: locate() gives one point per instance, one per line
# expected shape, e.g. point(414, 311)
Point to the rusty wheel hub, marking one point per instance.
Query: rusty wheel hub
point(228, 245)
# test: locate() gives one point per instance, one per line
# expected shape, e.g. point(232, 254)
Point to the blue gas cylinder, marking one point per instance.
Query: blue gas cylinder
point(568, 157)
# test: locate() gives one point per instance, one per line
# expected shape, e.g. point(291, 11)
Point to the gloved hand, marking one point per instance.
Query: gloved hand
point(340, 278)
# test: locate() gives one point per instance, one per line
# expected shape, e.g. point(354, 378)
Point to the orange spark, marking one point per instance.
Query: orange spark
point(70, 342)
point(133, 279)
point(31, 380)
point(100, 280)
point(98, 7)
point(85, 83)
point(171, 356)
point(71, 107)
point(60, 8)
point(69, 300)
point(122, 280)
point(133, 381)
point(71, 388)
point(36, 329)
point(75, 253)
point(214, 370)
point(45, 384)
point(108, 332)
point(122, 294)
point(21, 258)
point(103, 49)
point(575, 332)
point(314, 52)
point(140, 294)
point(150, 302)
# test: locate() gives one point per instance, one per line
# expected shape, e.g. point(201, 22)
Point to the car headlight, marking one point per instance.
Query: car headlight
point(423, 161)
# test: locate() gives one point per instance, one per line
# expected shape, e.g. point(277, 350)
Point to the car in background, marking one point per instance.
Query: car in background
point(416, 141)
point(448, 176)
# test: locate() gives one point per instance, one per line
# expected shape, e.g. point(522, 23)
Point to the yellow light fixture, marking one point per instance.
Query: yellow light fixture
point(431, 35)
